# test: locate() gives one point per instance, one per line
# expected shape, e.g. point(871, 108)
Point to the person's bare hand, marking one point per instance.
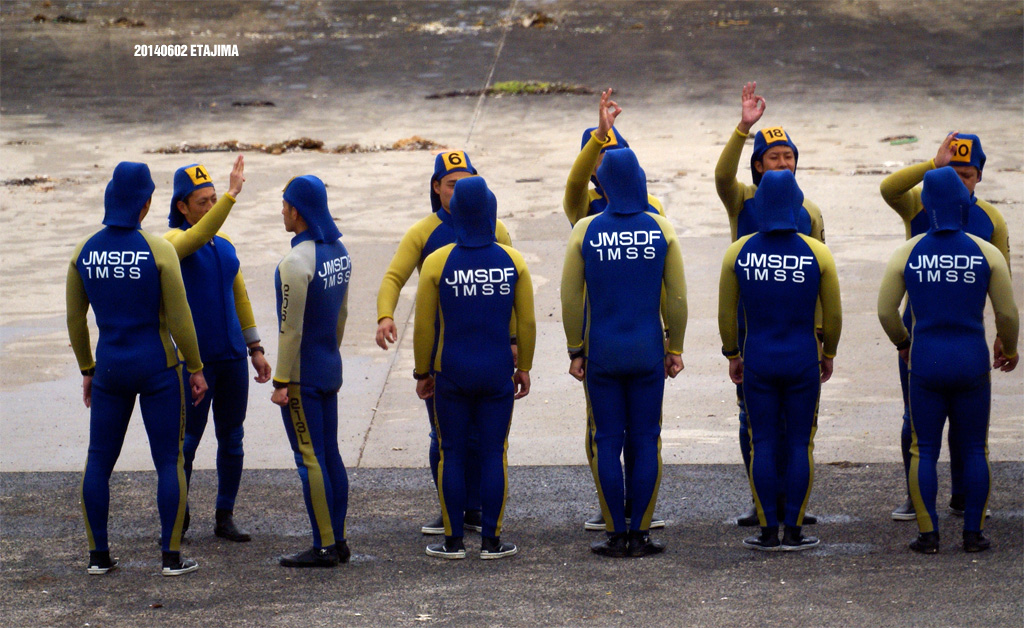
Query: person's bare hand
point(425, 387)
point(945, 154)
point(673, 364)
point(1002, 362)
point(522, 383)
point(577, 368)
point(259, 362)
point(826, 369)
point(199, 387)
point(753, 107)
point(237, 177)
point(736, 370)
point(387, 332)
point(280, 397)
point(607, 111)
point(87, 390)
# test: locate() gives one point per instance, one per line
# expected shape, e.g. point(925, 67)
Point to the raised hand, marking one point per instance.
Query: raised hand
point(607, 111)
point(753, 107)
point(945, 154)
point(237, 177)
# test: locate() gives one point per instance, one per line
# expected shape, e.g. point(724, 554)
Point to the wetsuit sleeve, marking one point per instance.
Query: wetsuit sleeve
point(730, 190)
point(427, 300)
point(502, 237)
point(573, 288)
point(174, 303)
point(890, 295)
point(656, 204)
point(576, 201)
point(899, 192)
point(523, 315)
point(728, 300)
point(673, 289)
point(342, 318)
point(829, 301)
point(406, 258)
point(296, 271)
point(188, 241)
point(243, 309)
point(1000, 291)
point(78, 307)
point(1000, 233)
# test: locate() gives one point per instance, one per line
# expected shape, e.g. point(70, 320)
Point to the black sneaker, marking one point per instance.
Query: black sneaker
point(957, 504)
point(767, 541)
point(492, 548)
point(614, 546)
point(472, 520)
point(905, 512)
point(794, 541)
point(973, 542)
point(434, 527)
point(595, 523)
point(100, 563)
point(926, 543)
point(344, 553)
point(313, 557)
point(809, 519)
point(748, 519)
point(452, 548)
point(225, 528)
point(175, 565)
point(639, 543)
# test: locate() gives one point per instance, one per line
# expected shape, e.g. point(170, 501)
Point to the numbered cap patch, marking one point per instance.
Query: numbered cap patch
point(962, 148)
point(775, 134)
point(198, 174)
point(454, 160)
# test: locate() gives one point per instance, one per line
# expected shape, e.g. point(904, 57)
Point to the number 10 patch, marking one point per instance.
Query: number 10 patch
point(962, 149)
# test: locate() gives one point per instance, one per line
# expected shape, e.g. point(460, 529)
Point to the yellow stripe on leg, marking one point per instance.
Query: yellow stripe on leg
point(440, 471)
point(314, 474)
point(179, 520)
point(606, 514)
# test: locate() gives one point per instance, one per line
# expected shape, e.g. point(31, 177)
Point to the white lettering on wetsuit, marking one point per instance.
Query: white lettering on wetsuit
point(946, 268)
point(115, 264)
point(617, 245)
point(335, 272)
point(490, 280)
point(782, 267)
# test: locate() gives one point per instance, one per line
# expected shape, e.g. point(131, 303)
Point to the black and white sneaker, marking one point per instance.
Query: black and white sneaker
point(473, 520)
point(595, 523)
point(100, 563)
point(452, 548)
point(906, 512)
point(794, 541)
point(767, 541)
point(957, 503)
point(656, 522)
point(434, 527)
point(175, 565)
point(313, 557)
point(492, 548)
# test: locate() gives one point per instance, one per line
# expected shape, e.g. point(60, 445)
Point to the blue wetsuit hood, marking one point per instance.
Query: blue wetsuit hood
point(617, 141)
point(308, 195)
point(945, 199)
point(474, 212)
point(187, 179)
point(762, 144)
point(624, 182)
point(127, 192)
point(445, 164)
point(777, 201)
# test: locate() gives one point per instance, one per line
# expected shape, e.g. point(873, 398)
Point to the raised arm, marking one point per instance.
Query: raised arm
point(188, 241)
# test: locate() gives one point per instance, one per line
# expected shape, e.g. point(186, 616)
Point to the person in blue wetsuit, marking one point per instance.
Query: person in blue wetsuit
point(946, 274)
point(617, 265)
point(902, 192)
point(225, 326)
point(580, 201)
point(775, 278)
point(312, 306)
point(467, 295)
point(132, 281)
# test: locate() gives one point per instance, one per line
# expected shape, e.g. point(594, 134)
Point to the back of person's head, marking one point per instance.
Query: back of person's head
point(130, 187)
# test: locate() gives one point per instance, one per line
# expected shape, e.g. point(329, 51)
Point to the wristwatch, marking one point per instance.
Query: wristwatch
point(255, 349)
point(419, 376)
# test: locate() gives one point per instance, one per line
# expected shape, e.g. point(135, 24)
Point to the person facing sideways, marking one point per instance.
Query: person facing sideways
point(132, 281)
point(312, 305)
point(617, 265)
point(774, 278)
point(423, 238)
point(773, 150)
point(946, 274)
point(581, 200)
point(225, 326)
point(902, 191)
point(465, 366)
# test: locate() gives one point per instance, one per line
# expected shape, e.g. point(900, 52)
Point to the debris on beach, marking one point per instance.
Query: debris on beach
point(537, 19)
point(68, 19)
point(731, 23)
point(896, 140)
point(126, 22)
point(252, 103)
point(301, 144)
point(518, 88)
point(26, 181)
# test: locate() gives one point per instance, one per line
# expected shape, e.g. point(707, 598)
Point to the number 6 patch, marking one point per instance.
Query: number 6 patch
point(455, 159)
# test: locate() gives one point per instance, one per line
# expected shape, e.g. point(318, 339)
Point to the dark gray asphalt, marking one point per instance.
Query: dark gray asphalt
point(862, 575)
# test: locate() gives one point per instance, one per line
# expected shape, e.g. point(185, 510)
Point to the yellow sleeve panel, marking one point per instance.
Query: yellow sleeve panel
point(573, 288)
point(656, 204)
point(296, 271)
point(188, 241)
point(502, 237)
point(729, 298)
point(428, 300)
point(899, 191)
point(828, 297)
point(576, 201)
point(523, 316)
point(674, 311)
point(1000, 291)
point(343, 316)
point(406, 259)
point(243, 308)
point(730, 190)
point(890, 295)
point(1000, 232)
point(817, 222)
point(78, 308)
point(175, 315)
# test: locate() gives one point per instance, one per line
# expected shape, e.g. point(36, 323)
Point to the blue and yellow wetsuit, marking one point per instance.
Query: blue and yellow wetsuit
point(616, 266)
point(738, 199)
point(312, 305)
point(947, 274)
point(132, 281)
point(224, 324)
point(775, 277)
point(472, 288)
point(902, 192)
point(423, 238)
